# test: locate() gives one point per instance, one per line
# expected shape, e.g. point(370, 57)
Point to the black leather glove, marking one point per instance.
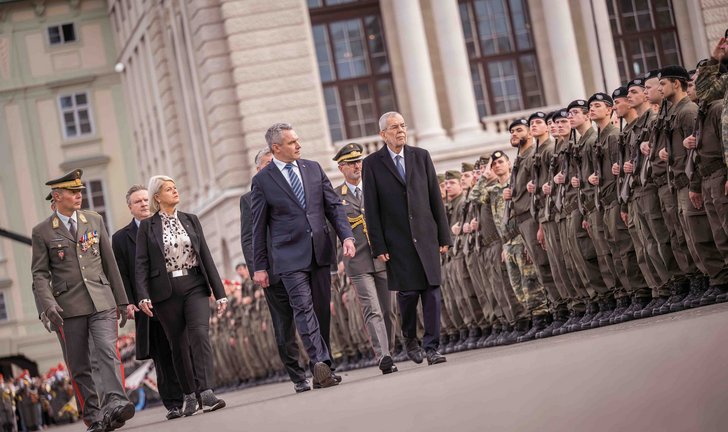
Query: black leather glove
point(54, 315)
point(121, 315)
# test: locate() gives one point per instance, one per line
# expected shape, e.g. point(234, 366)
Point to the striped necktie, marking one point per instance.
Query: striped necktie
point(296, 185)
point(400, 168)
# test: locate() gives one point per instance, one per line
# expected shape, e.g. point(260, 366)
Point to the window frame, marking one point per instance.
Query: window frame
point(359, 10)
point(481, 62)
point(88, 204)
point(62, 42)
point(620, 38)
point(4, 303)
point(75, 110)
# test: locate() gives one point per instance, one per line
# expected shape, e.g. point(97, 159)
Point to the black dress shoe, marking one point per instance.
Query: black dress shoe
point(96, 427)
point(414, 351)
point(301, 386)
point(174, 413)
point(116, 417)
point(323, 376)
point(434, 357)
point(385, 364)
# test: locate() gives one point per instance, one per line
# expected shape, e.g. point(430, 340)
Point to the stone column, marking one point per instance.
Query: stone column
point(562, 40)
point(458, 80)
point(606, 68)
point(418, 74)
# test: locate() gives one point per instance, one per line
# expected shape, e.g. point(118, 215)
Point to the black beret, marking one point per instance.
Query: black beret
point(579, 103)
point(639, 82)
point(496, 155)
point(601, 97)
point(619, 92)
point(537, 115)
point(518, 122)
point(558, 114)
point(652, 74)
point(550, 115)
point(674, 71)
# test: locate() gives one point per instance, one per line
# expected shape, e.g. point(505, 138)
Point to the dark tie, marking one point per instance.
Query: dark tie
point(400, 168)
point(72, 229)
point(296, 185)
point(357, 193)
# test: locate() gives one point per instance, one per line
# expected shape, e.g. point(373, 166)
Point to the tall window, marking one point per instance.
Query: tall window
point(353, 64)
point(3, 307)
point(503, 60)
point(645, 35)
point(94, 199)
point(75, 115)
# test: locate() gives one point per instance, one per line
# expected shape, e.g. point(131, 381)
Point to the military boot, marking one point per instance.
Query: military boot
point(606, 307)
point(592, 309)
point(462, 342)
point(677, 295)
point(473, 337)
point(490, 341)
point(519, 330)
point(538, 323)
point(628, 314)
point(484, 335)
point(559, 318)
point(453, 339)
point(573, 320)
point(698, 287)
point(623, 304)
point(639, 304)
point(503, 336)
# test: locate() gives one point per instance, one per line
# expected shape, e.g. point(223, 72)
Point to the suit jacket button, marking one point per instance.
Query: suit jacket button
point(56, 293)
point(414, 240)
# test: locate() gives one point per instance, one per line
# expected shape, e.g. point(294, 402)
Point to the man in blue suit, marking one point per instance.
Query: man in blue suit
point(293, 199)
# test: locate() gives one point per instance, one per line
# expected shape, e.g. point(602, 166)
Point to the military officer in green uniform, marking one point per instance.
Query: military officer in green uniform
point(78, 286)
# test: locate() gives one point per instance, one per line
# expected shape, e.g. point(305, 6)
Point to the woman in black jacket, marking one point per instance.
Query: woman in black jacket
point(175, 274)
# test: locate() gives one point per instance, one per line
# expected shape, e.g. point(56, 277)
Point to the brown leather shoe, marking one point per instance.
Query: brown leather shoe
point(323, 376)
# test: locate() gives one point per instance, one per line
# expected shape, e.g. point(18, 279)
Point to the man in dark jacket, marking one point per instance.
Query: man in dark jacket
point(408, 230)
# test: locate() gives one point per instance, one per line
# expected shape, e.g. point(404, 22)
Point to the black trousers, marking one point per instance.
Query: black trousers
point(188, 310)
point(161, 353)
point(284, 326)
point(431, 299)
point(309, 294)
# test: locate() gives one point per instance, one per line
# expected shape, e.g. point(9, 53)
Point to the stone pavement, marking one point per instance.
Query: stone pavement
point(667, 373)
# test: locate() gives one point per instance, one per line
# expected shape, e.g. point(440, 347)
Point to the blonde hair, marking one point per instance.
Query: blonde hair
point(155, 185)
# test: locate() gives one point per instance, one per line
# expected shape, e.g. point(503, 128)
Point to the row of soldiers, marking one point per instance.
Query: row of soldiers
point(31, 403)
point(614, 209)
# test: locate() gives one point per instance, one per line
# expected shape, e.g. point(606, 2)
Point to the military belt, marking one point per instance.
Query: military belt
point(487, 241)
point(707, 170)
point(568, 209)
point(681, 181)
point(589, 205)
point(660, 181)
point(522, 217)
point(509, 236)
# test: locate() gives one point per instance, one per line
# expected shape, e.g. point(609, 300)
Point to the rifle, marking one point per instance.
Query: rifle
point(561, 195)
point(577, 160)
point(636, 158)
point(697, 133)
point(670, 153)
point(514, 172)
point(552, 167)
point(646, 170)
point(534, 179)
point(598, 159)
point(620, 161)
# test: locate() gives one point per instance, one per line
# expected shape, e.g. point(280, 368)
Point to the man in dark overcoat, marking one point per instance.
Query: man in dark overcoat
point(408, 229)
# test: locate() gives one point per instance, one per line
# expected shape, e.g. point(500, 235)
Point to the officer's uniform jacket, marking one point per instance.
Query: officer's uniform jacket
point(78, 274)
point(363, 261)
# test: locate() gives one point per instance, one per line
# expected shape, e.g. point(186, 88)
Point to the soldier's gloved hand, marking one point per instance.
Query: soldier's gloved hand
point(121, 315)
point(46, 322)
point(54, 315)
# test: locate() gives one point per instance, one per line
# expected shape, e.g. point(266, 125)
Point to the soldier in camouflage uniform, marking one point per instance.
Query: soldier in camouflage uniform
point(521, 270)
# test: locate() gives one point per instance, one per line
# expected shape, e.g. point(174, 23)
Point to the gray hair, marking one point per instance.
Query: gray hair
point(263, 152)
point(384, 117)
point(155, 185)
point(133, 189)
point(273, 134)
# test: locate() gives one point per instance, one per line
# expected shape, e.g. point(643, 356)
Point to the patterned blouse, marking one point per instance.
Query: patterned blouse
point(178, 251)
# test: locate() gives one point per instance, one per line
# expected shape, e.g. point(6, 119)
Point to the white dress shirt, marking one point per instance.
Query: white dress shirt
point(65, 220)
point(352, 188)
point(282, 167)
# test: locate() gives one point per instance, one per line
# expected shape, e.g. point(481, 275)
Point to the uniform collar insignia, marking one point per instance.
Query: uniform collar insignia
point(344, 189)
point(82, 218)
point(55, 222)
